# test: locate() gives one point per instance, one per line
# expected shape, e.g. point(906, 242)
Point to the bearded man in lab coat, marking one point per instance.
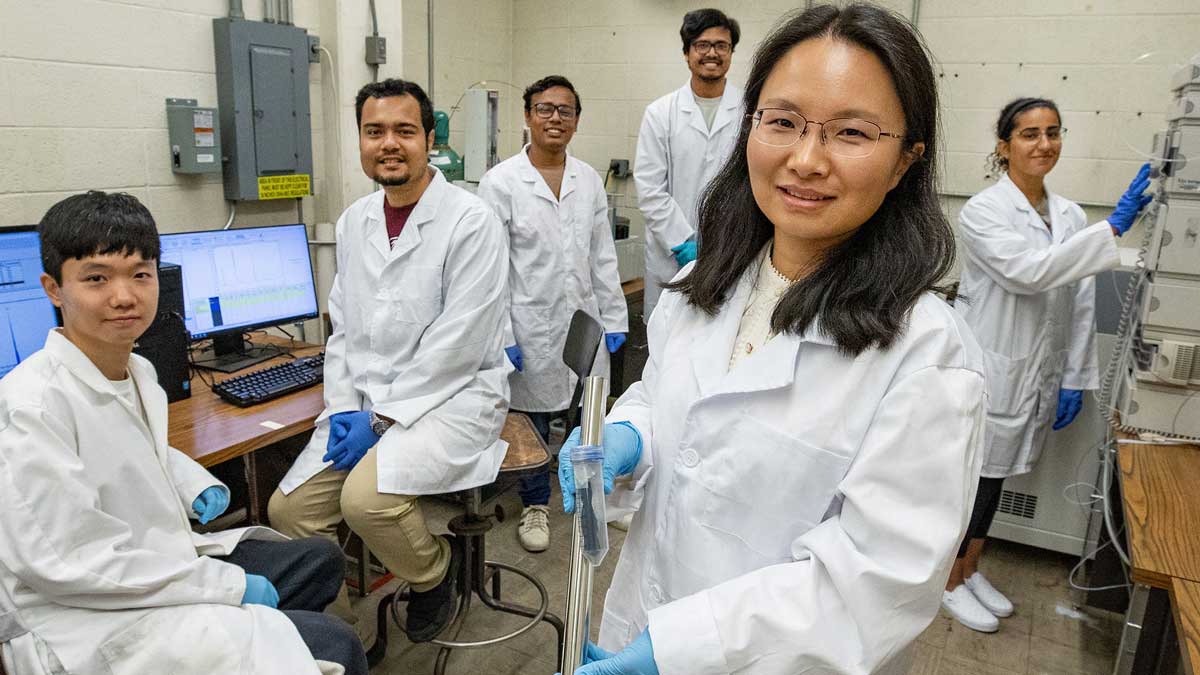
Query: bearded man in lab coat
point(684, 140)
point(562, 258)
point(100, 571)
point(416, 383)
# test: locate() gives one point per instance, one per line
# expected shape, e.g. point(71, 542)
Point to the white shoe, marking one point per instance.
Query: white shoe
point(967, 610)
point(534, 530)
point(988, 596)
point(623, 522)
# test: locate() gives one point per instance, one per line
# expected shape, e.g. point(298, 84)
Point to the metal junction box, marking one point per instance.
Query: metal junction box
point(266, 123)
point(195, 139)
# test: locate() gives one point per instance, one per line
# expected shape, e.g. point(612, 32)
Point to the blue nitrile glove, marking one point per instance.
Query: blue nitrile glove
point(1070, 402)
point(515, 357)
point(614, 341)
point(260, 591)
point(211, 503)
point(622, 450)
point(1132, 202)
point(356, 438)
point(684, 253)
point(635, 659)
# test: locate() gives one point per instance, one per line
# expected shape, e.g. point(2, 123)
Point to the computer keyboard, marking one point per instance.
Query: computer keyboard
point(264, 385)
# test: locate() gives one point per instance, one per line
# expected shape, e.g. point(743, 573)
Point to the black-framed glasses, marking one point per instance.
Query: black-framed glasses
point(546, 111)
point(844, 137)
point(1033, 135)
point(702, 46)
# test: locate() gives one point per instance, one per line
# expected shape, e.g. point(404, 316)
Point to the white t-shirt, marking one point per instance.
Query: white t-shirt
point(127, 390)
point(708, 108)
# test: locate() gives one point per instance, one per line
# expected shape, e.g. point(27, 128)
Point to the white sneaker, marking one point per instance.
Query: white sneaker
point(967, 610)
point(988, 596)
point(534, 530)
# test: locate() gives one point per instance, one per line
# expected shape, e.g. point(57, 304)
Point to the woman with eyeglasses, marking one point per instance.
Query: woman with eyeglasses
point(1028, 295)
point(803, 448)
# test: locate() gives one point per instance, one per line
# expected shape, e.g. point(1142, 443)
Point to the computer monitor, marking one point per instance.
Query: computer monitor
point(26, 314)
point(239, 280)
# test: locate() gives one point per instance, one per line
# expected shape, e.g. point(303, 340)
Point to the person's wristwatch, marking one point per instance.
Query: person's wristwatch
point(379, 424)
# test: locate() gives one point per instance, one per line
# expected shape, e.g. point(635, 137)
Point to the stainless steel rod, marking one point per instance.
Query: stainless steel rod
point(579, 589)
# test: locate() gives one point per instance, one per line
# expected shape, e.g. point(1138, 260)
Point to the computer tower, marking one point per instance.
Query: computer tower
point(165, 342)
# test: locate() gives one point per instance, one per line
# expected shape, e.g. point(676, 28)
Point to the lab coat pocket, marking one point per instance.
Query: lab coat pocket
point(768, 488)
point(185, 638)
point(1006, 383)
point(531, 328)
point(417, 297)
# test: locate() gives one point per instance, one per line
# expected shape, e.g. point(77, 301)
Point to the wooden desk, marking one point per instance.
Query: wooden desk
point(1185, 604)
point(1162, 511)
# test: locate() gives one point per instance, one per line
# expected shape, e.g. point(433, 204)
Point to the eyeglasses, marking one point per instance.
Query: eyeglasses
point(546, 111)
point(702, 46)
point(1053, 134)
point(844, 137)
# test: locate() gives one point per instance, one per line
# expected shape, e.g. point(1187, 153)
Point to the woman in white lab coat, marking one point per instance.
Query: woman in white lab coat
point(1028, 295)
point(802, 451)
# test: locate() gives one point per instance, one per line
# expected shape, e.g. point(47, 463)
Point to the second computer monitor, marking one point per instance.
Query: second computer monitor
point(242, 279)
point(26, 314)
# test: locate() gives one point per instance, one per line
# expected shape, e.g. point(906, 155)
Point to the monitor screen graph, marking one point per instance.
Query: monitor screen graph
point(237, 280)
point(26, 314)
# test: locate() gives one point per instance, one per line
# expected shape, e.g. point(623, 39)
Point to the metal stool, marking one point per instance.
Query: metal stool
point(526, 453)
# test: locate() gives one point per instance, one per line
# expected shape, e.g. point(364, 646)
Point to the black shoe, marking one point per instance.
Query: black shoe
point(431, 611)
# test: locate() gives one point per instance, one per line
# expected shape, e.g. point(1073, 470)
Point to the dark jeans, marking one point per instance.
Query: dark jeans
point(535, 488)
point(308, 574)
point(987, 501)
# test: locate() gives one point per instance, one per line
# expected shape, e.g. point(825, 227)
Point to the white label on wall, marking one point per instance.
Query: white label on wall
point(204, 139)
point(205, 159)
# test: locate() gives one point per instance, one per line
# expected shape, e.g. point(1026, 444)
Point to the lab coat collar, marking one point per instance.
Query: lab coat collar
point(1058, 206)
point(154, 399)
point(773, 366)
point(726, 110)
point(531, 175)
point(410, 237)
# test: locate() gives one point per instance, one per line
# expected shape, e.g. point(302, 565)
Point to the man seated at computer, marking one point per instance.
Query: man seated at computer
point(100, 571)
point(416, 387)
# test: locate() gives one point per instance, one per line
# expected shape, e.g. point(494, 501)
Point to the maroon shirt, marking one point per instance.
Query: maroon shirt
point(396, 217)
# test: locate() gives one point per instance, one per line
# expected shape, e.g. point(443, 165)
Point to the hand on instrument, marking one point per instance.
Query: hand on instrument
point(1132, 202)
point(614, 341)
point(685, 252)
point(260, 591)
point(622, 450)
point(1070, 402)
point(211, 503)
point(635, 659)
point(355, 437)
point(515, 357)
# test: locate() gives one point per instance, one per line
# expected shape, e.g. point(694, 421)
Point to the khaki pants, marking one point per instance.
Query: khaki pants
point(392, 525)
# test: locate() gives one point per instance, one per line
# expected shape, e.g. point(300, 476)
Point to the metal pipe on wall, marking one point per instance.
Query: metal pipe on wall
point(287, 12)
point(916, 11)
point(235, 9)
point(269, 11)
point(429, 43)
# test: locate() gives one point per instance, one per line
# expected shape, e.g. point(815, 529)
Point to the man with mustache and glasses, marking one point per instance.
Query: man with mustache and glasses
point(416, 383)
point(685, 138)
point(563, 258)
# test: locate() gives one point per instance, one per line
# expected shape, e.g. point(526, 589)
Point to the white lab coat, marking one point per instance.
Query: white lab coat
point(100, 571)
point(1029, 298)
point(677, 156)
point(800, 512)
point(417, 331)
point(561, 259)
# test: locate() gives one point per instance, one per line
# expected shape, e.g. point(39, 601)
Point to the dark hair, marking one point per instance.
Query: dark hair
point(863, 288)
point(1007, 123)
point(697, 21)
point(96, 223)
point(546, 83)
point(395, 87)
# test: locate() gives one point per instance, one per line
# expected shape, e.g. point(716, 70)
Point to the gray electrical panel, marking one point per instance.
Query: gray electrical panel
point(195, 138)
point(266, 123)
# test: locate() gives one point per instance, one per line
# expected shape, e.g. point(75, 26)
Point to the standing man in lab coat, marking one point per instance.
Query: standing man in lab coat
point(416, 383)
point(562, 259)
point(685, 138)
point(100, 571)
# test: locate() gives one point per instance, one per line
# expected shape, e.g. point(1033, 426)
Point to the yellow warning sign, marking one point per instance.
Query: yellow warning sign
point(283, 187)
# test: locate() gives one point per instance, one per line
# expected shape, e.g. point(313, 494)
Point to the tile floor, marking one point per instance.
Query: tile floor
point(1048, 634)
